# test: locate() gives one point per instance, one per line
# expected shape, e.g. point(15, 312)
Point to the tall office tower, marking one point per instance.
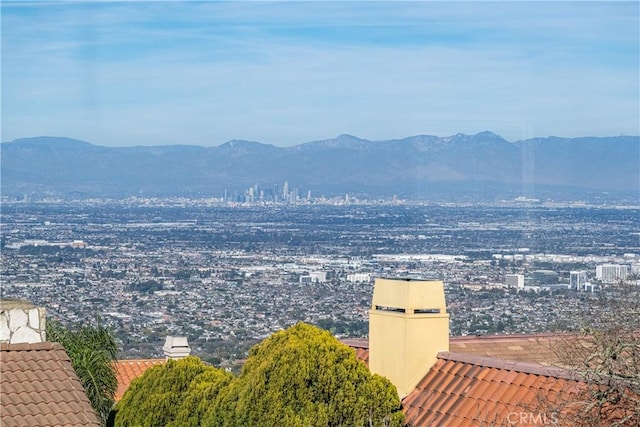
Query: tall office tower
point(577, 280)
point(514, 281)
point(275, 192)
point(611, 273)
point(285, 190)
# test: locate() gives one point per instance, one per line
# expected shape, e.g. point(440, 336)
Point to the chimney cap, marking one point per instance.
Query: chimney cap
point(176, 347)
point(410, 296)
point(413, 278)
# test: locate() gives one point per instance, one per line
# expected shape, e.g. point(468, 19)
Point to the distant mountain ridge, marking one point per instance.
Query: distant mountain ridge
point(420, 166)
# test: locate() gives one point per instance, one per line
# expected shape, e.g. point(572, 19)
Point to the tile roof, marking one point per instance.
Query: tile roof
point(468, 390)
point(544, 349)
point(493, 380)
point(361, 347)
point(535, 348)
point(39, 388)
point(129, 370)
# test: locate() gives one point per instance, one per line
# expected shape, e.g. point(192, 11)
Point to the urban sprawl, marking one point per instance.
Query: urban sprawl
point(227, 272)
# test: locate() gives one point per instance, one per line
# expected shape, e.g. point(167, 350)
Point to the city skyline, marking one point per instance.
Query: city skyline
point(202, 73)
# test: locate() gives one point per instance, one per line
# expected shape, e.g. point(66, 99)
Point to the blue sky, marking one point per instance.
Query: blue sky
point(284, 73)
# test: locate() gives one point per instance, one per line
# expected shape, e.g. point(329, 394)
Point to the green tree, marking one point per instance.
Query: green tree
point(92, 350)
point(304, 376)
point(200, 397)
point(177, 393)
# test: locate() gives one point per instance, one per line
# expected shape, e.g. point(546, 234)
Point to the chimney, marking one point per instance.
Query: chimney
point(408, 327)
point(21, 322)
point(176, 347)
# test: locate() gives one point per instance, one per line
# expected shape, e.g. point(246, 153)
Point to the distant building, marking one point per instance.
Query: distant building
point(314, 277)
point(544, 277)
point(611, 273)
point(78, 244)
point(359, 278)
point(318, 276)
point(578, 280)
point(514, 281)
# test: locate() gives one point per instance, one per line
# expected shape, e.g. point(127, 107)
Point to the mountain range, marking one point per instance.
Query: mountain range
point(423, 166)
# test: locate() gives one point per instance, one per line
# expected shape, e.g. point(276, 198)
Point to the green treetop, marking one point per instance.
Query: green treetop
point(304, 376)
point(176, 393)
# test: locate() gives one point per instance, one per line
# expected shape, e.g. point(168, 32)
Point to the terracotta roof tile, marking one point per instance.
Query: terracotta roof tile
point(40, 388)
point(496, 391)
point(361, 347)
point(484, 379)
point(422, 399)
point(509, 377)
point(469, 390)
point(454, 369)
point(128, 370)
point(463, 371)
point(448, 404)
point(510, 393)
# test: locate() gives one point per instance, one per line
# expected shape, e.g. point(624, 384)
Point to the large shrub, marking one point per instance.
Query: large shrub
point(304, 376)
point(176, 393)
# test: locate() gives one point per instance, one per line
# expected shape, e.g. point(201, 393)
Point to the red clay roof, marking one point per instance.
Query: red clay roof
point(361, 347)
point(535, 348)
point(467, 390)
point(490, 380)
point(39, 388)
point(129, 370)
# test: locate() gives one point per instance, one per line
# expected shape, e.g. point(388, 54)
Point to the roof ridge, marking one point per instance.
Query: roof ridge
point(501, 337)
point(356, 342)
point(25, 346)
point(524, 367)
point(364, 342)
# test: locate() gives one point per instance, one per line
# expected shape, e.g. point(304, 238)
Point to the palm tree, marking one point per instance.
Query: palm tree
point(92, 350)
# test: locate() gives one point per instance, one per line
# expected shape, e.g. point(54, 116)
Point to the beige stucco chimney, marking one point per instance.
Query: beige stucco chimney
point(176, 347)
point(408, 327)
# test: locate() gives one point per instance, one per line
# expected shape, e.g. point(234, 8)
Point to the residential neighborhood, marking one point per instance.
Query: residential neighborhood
point(226, 276)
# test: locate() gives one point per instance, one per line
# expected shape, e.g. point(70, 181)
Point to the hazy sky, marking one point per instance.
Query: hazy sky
point(157, 73)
